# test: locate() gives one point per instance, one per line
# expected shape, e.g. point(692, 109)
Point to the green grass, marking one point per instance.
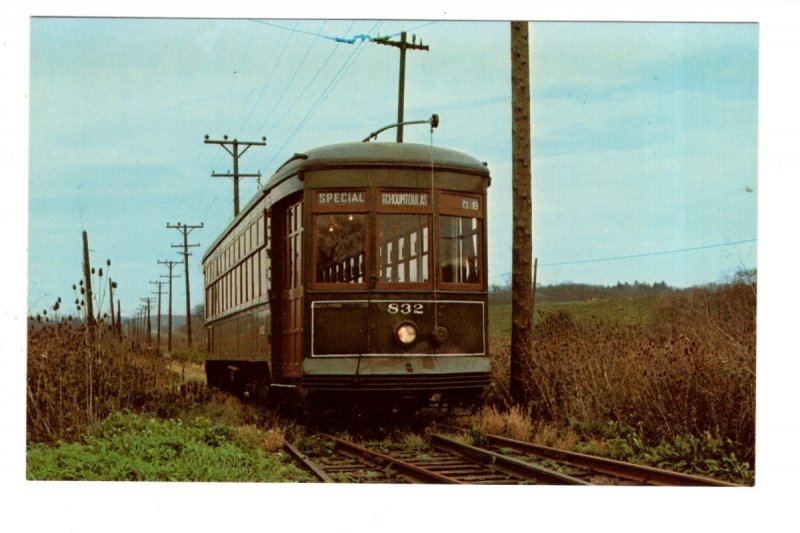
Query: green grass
point(184, 354)
point(616, 312)
point(131, 447)
point(702, 454)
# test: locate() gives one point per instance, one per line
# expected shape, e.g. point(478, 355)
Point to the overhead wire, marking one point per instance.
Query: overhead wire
point(358, 39)
point(209, 205)
point(267, 82)
point(361, 37)
point(636, 256)
point(302, 62)
point(310, 83)
point(323, 95)
point(648, 254)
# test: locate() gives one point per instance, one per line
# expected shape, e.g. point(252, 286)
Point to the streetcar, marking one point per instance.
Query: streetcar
point(356, 274)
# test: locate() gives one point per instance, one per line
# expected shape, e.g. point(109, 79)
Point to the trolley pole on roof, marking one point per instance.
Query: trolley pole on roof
point(236, 151)
point(186, 229)
point(403, 45)
point(170, 265)
point(522, 207)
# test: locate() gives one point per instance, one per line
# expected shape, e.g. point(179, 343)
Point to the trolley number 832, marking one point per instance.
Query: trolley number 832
point(405, 309)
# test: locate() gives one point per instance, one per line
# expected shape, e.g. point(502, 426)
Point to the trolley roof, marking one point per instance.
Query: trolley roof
point(355, 154)
point(362, 154)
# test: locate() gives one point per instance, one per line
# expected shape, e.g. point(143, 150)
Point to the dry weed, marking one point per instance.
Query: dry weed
point(412, 441)
point(488, 420)
point(274, 440)
point(555, 436)
point(692, 371)
point(75, 379)
point(514, 423)
point(518, 424)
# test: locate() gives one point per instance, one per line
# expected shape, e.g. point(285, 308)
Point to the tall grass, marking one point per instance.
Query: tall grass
point(77, 378)
point(691, 371)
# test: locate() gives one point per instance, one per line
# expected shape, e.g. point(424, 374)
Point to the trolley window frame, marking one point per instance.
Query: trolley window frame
point(324, 204)
point(394, 206)
point(461, 204)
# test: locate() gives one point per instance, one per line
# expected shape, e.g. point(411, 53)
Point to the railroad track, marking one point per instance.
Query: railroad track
point(597, 470)
point(445, 461)
point(498, 461)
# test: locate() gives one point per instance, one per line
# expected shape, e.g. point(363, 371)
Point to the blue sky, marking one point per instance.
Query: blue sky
point(645, 141)
point(644, 136)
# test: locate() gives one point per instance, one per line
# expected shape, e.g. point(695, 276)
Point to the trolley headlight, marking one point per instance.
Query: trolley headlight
point(406, 333)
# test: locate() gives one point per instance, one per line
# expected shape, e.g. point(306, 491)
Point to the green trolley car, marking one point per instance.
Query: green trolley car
point(358, 273)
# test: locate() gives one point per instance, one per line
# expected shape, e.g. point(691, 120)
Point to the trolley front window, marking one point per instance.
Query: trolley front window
point(340, 247)
point(460, 252)
point(403, 248)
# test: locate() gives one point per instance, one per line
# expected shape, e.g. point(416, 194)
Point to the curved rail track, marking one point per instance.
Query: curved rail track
point(445, 461)
point(500, 461)
point(598, 470)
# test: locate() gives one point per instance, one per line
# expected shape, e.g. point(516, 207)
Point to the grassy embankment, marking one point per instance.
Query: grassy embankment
point(101, 409)
point(663, 380)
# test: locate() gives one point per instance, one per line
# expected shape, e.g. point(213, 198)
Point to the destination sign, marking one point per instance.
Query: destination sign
point(461, 205)
point(470, 204)
point(418, 199)
point(341, 198)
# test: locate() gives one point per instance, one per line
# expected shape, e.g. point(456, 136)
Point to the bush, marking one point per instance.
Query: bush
point(75, 379)
point(691, 371)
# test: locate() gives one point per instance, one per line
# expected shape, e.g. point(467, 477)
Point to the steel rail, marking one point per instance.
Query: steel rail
point(410, 471)
point(504, 463)
point(646, 475)
point(308, 463)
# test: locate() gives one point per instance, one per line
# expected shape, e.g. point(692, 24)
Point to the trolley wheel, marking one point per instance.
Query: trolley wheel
point(255, 381)
point(214, 376)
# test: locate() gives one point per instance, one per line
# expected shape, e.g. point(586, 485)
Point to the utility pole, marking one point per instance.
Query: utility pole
point(403, 45)
point(170, 265)
point(141, 324)
point(186, 229)
point(137, 325)
point(87, 279)
point(522, 207)
point(535, 272)
point(235, 153)
point(158, 319)
point(148, 325)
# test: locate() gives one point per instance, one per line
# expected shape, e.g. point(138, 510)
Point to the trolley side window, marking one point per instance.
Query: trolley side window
point(461, 239)
point(460, 250)
point(404, 248)
point(340, 247)
point(340, 237)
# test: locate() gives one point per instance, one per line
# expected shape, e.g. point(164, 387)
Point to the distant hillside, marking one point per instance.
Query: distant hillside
point(178, 321)
point(574, 292)
point(577, 292)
